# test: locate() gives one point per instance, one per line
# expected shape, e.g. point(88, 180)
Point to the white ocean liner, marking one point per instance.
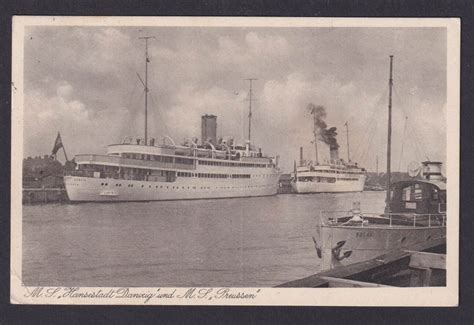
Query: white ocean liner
point(331, 176)
point(140, 170)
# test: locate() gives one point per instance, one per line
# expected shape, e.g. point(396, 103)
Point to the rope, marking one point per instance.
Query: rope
point(403, 142)
point(412, 131)
point(361, 150)
point(159, 114)
point(372, 132)
point(131, 97)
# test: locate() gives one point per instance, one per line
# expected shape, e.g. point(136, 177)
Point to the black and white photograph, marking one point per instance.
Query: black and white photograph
point(235, 161)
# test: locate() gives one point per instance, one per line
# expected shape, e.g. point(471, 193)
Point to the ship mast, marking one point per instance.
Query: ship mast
point(315, 132)
point(250, 105)
point(147, 60)
point(389, 136)
point(347, 135)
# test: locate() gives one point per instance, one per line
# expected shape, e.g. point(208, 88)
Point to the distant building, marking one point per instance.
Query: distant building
point(41, 172)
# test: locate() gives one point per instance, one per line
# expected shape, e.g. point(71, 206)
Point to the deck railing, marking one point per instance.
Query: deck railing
point(363, 219)
point(129, 162)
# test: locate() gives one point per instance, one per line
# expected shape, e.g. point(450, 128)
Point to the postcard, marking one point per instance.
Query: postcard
point(235, 161)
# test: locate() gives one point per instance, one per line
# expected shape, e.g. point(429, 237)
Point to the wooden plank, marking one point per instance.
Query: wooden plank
point(312, 281)
point(344, 283)
point(421, 277)
point(375, 268)
point(424, 260)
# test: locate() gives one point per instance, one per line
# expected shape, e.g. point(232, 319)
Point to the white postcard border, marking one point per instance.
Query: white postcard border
point(431, 296)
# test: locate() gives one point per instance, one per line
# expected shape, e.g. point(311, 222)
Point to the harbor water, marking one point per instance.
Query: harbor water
point(244, 242)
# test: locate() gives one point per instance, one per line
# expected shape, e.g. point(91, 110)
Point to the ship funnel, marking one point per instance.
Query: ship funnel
point(208, 129)
point(432, 170)
point(301, 156)
point(334, 152)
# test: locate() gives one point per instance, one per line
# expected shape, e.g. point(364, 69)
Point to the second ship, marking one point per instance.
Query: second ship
point(333, 175)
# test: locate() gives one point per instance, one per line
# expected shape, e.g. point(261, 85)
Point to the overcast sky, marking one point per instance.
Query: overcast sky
point(82, 82)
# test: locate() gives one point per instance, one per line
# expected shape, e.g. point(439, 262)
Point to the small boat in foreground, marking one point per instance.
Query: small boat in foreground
point(415, 213)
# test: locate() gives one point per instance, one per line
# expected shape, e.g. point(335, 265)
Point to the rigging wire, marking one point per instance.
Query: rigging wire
point(412, 132)
point(403, 142)
point(159, 113)
point(359, 152)
point(372, 131)
point(131, 97)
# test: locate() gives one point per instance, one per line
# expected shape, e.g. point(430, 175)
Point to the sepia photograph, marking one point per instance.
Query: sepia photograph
point(240, 161)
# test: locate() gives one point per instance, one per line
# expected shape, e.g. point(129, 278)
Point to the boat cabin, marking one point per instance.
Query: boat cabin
point(418, 196)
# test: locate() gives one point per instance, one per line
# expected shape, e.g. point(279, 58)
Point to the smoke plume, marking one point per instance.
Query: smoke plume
point(326, 135)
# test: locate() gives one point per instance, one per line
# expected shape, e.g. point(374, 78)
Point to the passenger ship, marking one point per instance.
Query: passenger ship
point(334, 175)
point(140, 170)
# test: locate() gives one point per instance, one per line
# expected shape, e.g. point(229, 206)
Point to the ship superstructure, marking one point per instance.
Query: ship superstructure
point(135, 171)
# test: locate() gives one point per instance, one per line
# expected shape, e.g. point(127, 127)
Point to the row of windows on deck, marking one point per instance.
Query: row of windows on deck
point(164, 159)
point(331, 171)
point(317, 179)
point(127, 173)
point(187, 161)
point(232, 164)
point(210, 175)
point(144, 174)
point(183, 187)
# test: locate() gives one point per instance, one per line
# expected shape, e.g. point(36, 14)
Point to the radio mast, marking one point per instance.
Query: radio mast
point(389, 135)
point(250, 105)
point(147, 60)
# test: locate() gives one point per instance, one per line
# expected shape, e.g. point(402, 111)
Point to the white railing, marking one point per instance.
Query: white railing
point(348, 218)
point(128, 162)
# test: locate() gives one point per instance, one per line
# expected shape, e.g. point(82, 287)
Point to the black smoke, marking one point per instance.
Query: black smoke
point(326, 135)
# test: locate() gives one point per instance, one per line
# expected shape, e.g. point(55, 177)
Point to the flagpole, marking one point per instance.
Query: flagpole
point(64, 150)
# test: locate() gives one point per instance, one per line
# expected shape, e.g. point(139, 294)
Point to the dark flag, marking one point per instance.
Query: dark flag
point(58, 144)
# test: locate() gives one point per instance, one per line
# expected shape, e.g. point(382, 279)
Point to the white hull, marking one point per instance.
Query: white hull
point(338, 186)
point(94, 189)
point(369, 242)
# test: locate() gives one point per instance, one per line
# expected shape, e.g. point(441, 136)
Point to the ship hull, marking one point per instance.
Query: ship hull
point(89, 189)
point(339, 186)
point(366, 243)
